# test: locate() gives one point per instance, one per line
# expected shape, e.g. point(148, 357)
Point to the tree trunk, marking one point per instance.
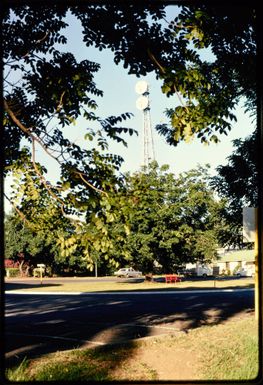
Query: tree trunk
point(27, 271)
point(21, 268)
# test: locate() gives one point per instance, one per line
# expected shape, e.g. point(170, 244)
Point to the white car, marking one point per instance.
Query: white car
point(128, 272)
point(245, 272)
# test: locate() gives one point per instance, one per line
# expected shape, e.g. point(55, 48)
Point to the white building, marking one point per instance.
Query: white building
point(231, 260)
point(228, 262)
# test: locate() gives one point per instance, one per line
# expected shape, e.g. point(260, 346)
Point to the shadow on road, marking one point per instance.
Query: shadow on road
point(178, 288)
point(37, 325)
point(29, 285)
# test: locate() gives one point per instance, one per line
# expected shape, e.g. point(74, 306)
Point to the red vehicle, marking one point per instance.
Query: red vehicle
point(172, 278)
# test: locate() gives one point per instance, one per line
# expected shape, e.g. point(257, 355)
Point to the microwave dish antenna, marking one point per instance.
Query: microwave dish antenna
point(141, 87)
point(142, 102)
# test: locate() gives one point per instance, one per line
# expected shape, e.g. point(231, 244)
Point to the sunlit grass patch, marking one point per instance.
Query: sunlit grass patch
point(18, 373)
point(122, 285)
point(60, 366)
point(232, 352)
point(94, 364)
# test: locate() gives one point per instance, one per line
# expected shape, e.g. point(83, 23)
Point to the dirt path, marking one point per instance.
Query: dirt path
point(163, 361)
point(170, 363)
point(170, 358)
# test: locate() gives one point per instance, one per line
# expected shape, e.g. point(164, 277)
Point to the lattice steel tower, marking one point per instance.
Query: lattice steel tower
point(143, 104)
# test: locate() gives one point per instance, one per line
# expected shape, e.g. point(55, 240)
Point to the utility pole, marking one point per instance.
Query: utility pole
point(96, 268)
point(250, 234)
point(256, 267)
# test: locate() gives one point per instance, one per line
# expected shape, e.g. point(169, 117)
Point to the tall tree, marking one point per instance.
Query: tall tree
point(172, 220)
point(33, 63)
point(47, 89)
point(30, 246)
point(238, 182)
point(25, 246)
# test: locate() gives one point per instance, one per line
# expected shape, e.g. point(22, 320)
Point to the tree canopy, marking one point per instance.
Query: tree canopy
point(238, 182)
point(30, 246)
point(202, 56)
point(208, 86)
point(172, 219)
point(46, 90)
point(158, 219)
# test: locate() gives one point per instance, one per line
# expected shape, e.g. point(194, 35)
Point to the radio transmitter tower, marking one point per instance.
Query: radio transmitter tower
point(143, 104)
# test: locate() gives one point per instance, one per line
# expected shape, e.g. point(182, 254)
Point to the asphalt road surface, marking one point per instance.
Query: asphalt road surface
point(37, 324)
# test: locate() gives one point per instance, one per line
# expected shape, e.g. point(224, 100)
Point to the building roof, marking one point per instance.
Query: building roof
point(237, 255)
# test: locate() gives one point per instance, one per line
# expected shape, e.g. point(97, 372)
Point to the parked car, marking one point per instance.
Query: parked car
point(198, 271)
point(204, 271)
point(186, 272)
point(245, 272)
point(128, 272)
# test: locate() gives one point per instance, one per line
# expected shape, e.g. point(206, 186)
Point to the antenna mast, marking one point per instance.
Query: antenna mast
point(143, 104)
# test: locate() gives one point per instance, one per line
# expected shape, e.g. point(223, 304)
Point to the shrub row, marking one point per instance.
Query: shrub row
point(12, 272)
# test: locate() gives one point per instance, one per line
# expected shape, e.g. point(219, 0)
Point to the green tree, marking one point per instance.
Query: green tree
point(238, 183)
point(208, 88)
point(47, 90)
point(202, 55)
point(25, 246)
point(172, 220)
point(30, 244)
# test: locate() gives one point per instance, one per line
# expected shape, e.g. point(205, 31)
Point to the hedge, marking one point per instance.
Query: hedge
point(12, 272)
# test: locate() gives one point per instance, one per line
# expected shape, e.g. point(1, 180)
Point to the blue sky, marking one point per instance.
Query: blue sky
point(120, 96)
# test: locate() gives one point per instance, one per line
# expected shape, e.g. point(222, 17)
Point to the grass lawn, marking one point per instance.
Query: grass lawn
point(79, 285)
point(227, 351)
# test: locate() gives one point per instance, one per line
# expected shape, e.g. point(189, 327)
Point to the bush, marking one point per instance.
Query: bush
point(236, 269)
point(226, 272)
point(12, 272)
point(10, 263)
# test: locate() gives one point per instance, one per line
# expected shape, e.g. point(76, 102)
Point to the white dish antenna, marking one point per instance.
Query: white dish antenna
point(141, 87)
point(142, 102)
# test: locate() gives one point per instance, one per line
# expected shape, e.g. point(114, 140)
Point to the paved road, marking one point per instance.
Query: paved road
point(46, 323)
